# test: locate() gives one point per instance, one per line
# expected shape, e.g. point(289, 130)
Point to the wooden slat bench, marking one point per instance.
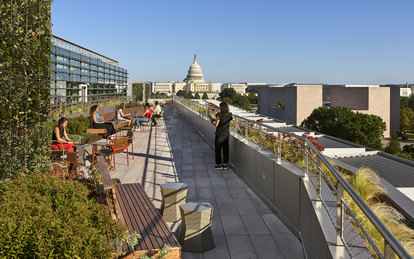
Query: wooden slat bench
point(136, 211)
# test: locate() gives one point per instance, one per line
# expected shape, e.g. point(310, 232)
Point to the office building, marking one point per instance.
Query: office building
point(80, 75)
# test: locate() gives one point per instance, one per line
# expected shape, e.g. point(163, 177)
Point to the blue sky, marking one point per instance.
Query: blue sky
point(344, 42)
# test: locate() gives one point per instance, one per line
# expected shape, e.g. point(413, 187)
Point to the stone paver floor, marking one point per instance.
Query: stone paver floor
point(243, 226)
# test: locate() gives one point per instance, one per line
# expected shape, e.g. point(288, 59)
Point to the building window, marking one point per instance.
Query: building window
point(75, 63)
point(75, 70)
point(62, 68)
point(62, 60)
point(85, 72)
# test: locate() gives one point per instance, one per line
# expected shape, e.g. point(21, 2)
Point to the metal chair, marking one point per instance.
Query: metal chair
point(114, 144)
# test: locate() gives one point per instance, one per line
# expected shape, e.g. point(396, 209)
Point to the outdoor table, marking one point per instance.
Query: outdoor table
point(82, 149)
point(173, 195)
point(196, 233)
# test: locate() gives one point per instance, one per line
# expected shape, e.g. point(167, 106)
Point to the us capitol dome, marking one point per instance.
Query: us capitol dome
point(195, 74)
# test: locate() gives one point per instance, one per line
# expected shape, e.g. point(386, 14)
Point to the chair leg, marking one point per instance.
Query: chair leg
point(93, 155)
point(127, 157)
point(132, 145)
point(113, 156)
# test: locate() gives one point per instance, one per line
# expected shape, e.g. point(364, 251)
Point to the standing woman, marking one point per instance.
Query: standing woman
point(59, 136)
point(97, 123)
point(221, 141)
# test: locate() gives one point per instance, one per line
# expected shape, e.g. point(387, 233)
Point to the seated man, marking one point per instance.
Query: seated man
point(156, 113)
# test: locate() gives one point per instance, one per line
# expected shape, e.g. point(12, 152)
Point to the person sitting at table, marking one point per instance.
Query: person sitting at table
point(60, 138)
point(121, 116)
point(98, 123)
point(156, 113)
point(145, 116)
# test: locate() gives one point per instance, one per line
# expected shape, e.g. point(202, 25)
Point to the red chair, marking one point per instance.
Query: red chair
point(130, 136)
point(114, 144)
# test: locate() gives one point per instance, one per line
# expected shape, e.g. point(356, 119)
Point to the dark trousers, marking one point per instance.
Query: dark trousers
point(221, 142)
point(107, 125)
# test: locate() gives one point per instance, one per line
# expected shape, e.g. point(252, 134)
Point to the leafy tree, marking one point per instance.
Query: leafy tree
point(228, 92)
point(407, 102)
point(252, 98)
point(406, 119)
point(190, 95)
point(197, 96)
point(182, 93)
point(341, 122)
point(393, 146)
point(227, 100)
point(205, 96)
point(137, 91)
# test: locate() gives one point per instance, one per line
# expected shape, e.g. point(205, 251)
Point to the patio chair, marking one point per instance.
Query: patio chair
point(114, 144)
point(56, 154)
point(130, 136)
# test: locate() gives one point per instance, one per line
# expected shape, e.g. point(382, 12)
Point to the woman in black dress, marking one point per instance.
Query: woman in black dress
point(221, 141)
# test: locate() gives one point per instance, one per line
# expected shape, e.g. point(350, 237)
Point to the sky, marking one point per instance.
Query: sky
point(301, 41)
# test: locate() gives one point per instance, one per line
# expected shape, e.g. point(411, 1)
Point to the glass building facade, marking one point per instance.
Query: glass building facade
point(80, 75)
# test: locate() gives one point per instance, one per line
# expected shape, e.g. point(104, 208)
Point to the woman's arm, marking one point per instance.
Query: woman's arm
point(145, 113)
point(57, 134)
point(217, 120)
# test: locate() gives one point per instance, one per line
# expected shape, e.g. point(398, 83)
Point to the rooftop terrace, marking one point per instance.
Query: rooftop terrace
point(243, 226)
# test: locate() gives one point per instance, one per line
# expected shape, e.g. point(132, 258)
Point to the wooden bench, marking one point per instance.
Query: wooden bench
point(136, 211)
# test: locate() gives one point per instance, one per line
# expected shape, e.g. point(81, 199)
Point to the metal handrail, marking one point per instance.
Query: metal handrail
point(392, 245)
point(83, 103)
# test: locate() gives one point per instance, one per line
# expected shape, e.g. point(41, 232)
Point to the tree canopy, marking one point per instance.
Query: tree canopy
point(407, 113)
point(341, 122)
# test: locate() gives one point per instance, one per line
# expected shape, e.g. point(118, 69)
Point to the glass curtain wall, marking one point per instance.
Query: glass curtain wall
point(76, 77)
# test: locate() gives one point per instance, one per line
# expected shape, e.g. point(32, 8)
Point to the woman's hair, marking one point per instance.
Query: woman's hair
point(122, 106)
point(61, 129)
point(224, 108)
point(93, 109)
point(147, 105)
point(156, 103)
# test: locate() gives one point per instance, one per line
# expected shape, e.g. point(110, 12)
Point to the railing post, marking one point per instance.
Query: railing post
point(279, 148)
point(339, 214)
point(306, 148)
point(388, 251)
point(246, 130)
point(236, 126)
point(260, 137)
point(206, 112)
point(318, 177)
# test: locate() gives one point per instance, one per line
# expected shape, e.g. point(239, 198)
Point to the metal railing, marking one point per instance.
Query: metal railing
point(68, 108)
point(329, 184)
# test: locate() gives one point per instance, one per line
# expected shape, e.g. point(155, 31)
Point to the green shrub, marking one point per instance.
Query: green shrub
point(131, 105)
point(78, 125)
point(44, 216)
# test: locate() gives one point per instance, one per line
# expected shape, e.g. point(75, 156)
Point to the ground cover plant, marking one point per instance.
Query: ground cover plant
point(45, 216)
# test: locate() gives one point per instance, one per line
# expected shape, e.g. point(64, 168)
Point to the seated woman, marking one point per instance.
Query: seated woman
point(98, 123)
point(59, 136)
point(120, 115)
point(145, 116)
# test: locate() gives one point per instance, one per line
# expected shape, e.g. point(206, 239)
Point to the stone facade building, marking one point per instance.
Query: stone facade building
point(295, 102)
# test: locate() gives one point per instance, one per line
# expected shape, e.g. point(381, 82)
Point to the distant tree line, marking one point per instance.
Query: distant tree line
point(230, 96)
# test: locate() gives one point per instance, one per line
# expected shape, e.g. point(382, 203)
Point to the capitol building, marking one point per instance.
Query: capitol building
point(194, 82)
